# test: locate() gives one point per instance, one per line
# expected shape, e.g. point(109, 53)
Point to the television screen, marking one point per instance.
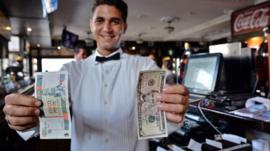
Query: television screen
point(69, 39)
point(202, 72)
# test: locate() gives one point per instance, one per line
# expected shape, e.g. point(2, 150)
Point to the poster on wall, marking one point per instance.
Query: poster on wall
point(250, 20)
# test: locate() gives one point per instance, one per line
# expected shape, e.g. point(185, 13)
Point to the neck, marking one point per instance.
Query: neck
point(106, 52)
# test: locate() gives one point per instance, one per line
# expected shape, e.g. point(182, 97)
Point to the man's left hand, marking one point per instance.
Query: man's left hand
point(174, 101)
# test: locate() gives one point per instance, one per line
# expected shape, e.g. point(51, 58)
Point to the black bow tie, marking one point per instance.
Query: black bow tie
point(104, 59)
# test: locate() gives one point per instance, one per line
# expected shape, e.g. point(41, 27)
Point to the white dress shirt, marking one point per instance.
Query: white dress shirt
point(103, 102)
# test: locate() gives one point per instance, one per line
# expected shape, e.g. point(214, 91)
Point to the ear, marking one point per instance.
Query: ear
point(91, 24)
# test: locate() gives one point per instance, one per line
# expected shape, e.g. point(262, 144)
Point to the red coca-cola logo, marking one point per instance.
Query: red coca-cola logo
point(258, 19)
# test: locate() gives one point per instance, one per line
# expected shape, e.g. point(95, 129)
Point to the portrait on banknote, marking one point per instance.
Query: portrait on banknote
point(151, 122)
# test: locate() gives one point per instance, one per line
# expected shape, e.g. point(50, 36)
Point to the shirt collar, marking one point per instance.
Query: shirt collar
point(119, 50)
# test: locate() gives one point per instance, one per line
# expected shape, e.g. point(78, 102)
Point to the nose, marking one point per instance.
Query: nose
point(107, 27)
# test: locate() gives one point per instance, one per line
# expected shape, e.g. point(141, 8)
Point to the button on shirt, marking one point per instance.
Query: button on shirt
point(103, 102)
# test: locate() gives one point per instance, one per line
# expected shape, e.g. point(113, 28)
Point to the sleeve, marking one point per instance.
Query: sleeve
point(149, 64)
point(32, 132)
point(173, 126)
point(27, 134)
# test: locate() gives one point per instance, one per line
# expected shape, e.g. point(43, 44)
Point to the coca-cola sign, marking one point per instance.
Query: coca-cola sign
point(251, 19)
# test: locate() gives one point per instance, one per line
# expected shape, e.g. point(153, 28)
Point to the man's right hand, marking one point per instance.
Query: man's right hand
point(21, 112)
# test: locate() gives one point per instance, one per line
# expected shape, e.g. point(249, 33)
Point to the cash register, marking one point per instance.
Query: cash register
point(201, 75)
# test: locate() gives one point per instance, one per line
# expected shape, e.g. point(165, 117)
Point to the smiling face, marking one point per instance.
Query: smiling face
point(107, 26)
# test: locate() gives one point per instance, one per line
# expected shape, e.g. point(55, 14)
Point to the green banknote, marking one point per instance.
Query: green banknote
point(52, 89)
point(151, 122)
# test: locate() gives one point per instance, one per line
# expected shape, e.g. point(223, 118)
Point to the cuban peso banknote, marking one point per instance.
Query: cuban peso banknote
point(52, 89)
point(151, 122)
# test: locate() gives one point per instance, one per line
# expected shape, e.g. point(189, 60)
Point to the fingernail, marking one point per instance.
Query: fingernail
point(38, 103)
point(164, 88)
point(159, 105)
point(37, 112)
point(158, 97)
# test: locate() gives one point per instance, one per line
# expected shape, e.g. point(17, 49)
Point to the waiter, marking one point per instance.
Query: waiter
point(103, 90)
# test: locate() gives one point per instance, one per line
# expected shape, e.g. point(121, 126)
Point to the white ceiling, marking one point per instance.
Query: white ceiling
point(200, 20)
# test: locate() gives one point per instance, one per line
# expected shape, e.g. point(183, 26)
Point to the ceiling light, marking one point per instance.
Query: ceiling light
point(29, 29)
point(186, 45)
point(8, 28)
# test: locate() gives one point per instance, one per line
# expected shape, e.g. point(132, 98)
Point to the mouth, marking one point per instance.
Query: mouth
point(107, 37)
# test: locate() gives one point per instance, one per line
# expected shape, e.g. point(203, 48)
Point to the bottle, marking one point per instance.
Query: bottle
point(261, 67)
point(184, 61)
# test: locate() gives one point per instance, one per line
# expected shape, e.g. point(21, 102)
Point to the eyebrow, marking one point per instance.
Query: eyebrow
point(99, 17)
point(112, 18)
point(116, 18)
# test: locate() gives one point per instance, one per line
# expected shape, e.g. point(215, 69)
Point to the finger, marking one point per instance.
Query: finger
point(23, 100)
point(22, 128)
point(175, 108)
point(175, 89)
point(172, 98)
point(21, 121)
point(176, 118)
point(21, 111)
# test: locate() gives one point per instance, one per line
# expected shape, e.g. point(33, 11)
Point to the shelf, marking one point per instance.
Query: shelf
point(240, 121)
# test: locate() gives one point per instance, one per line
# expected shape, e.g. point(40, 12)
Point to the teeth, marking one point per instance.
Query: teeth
point(107, 37)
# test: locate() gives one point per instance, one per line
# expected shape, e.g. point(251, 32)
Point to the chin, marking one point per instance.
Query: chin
point(110, 48)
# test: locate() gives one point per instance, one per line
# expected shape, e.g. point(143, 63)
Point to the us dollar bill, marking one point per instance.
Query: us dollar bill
point(151, 122)
point(52, 89)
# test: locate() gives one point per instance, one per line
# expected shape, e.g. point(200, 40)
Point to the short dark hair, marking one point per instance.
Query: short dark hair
point(79, 44)
point(119, 4)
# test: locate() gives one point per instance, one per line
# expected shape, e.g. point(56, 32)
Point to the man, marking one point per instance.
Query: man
point(80, 51)
point(103, 90)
